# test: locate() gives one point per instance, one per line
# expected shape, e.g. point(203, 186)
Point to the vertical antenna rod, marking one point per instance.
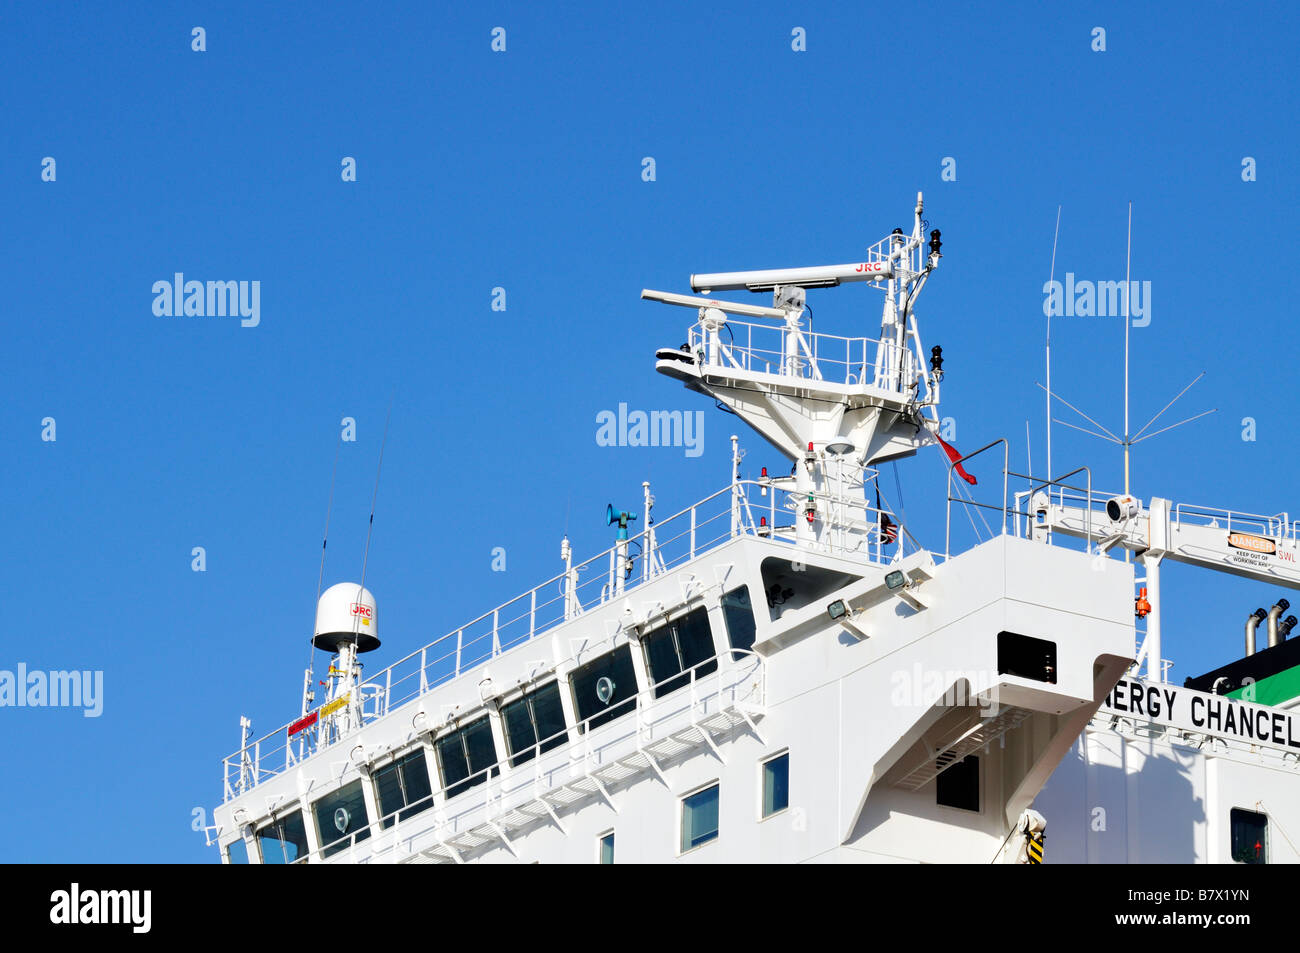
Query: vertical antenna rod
point(1128, 290)
point(375, 495)
point(1056, 236)
point(320, 580)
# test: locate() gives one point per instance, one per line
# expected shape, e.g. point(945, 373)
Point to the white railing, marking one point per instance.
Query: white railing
point(1019, 510)
point(1279, 526)
point(502, 787)
point(778, 350)
point(848, 529)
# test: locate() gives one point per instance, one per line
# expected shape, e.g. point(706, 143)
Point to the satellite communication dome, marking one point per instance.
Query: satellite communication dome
point(346, 614)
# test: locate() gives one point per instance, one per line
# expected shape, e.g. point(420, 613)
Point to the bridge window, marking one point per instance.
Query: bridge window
point(588, 686)
point(403, 788)
point(606, 848)
point(678, 647)
point(699, 818)
point(237, 852)
point(1249, 836)
point(959, 784)
point(534, 723)
point(466, 756)
point(738, 614)
point(341, 819)
point(284, 840)
point(776, 784)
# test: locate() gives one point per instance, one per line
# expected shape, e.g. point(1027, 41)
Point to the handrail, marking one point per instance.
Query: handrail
point(1007, 475)
point(503, 770)
point(952, 465)
point(526, 616)
point(787, 351)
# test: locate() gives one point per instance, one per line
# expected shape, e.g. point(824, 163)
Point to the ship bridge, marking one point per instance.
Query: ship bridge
point(780, 670)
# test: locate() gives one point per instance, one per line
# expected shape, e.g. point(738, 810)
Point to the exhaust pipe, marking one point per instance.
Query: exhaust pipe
point(1285, 628)
point(1255, 619)
point(1274, 614)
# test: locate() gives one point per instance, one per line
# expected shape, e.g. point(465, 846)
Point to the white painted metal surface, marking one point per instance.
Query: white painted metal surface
point(832, 704)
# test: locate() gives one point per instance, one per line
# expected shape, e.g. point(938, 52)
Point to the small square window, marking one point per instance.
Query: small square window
point(958, 785)
point(341, 819)
point(283, 840)
point(699, 818)
point(606, 851)
point(738, 615)
point(237, 852)
point(403, 788)
point(776, 784)
point(1249, 836)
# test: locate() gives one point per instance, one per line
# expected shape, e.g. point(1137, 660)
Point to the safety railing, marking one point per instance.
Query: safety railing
point(1278, 527)
point(512, 782)
point(798, 352)
point(1020, 510)
point(846, 527)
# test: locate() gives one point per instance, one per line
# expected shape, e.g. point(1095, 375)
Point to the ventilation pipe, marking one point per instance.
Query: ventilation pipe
point(1274, 614)
point(1255, 619)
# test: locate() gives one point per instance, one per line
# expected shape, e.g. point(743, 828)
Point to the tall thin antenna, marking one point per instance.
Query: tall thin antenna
point(320, 579)
point(1055, 237)
point(365, 559)
point(1128, 290)
point(1129, 438)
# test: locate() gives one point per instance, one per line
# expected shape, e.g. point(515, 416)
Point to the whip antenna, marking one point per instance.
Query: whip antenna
point(320, 579)
point(365, 558)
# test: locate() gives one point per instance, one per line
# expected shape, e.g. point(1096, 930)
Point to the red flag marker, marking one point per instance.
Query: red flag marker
point(954, 456)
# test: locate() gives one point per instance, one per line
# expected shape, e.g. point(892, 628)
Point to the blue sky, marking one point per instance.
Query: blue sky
point(522, 170)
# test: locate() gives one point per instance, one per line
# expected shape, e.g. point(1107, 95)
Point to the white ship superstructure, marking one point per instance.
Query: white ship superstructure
point(776, 673)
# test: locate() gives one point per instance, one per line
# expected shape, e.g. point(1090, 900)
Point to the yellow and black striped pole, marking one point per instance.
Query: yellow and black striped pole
point(1036, 847)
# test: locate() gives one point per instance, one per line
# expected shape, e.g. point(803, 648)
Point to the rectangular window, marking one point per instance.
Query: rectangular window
point(237, 852)
point(1026, 657)
point(1249, 836)
point(466, 756)
point(738, 614)
point(534, 724)
point(403, 788)
point(699, 818)
point(678, 647)
point(588, 683)
point(341, 819)
point(776, 784)
point(607, 848)
point(959, 784)
point(284, 840)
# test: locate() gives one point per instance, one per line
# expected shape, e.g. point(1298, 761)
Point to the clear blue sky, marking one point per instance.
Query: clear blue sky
point(523, 170)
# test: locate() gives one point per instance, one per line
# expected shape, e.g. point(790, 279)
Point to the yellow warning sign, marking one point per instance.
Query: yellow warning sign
point(335, 705)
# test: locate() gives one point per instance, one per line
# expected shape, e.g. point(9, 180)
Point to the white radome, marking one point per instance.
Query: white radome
point(346, 612)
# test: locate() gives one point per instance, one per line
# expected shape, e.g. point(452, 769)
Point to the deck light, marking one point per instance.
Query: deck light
point(837, 610)
point(895, 580)
point(605, 689)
